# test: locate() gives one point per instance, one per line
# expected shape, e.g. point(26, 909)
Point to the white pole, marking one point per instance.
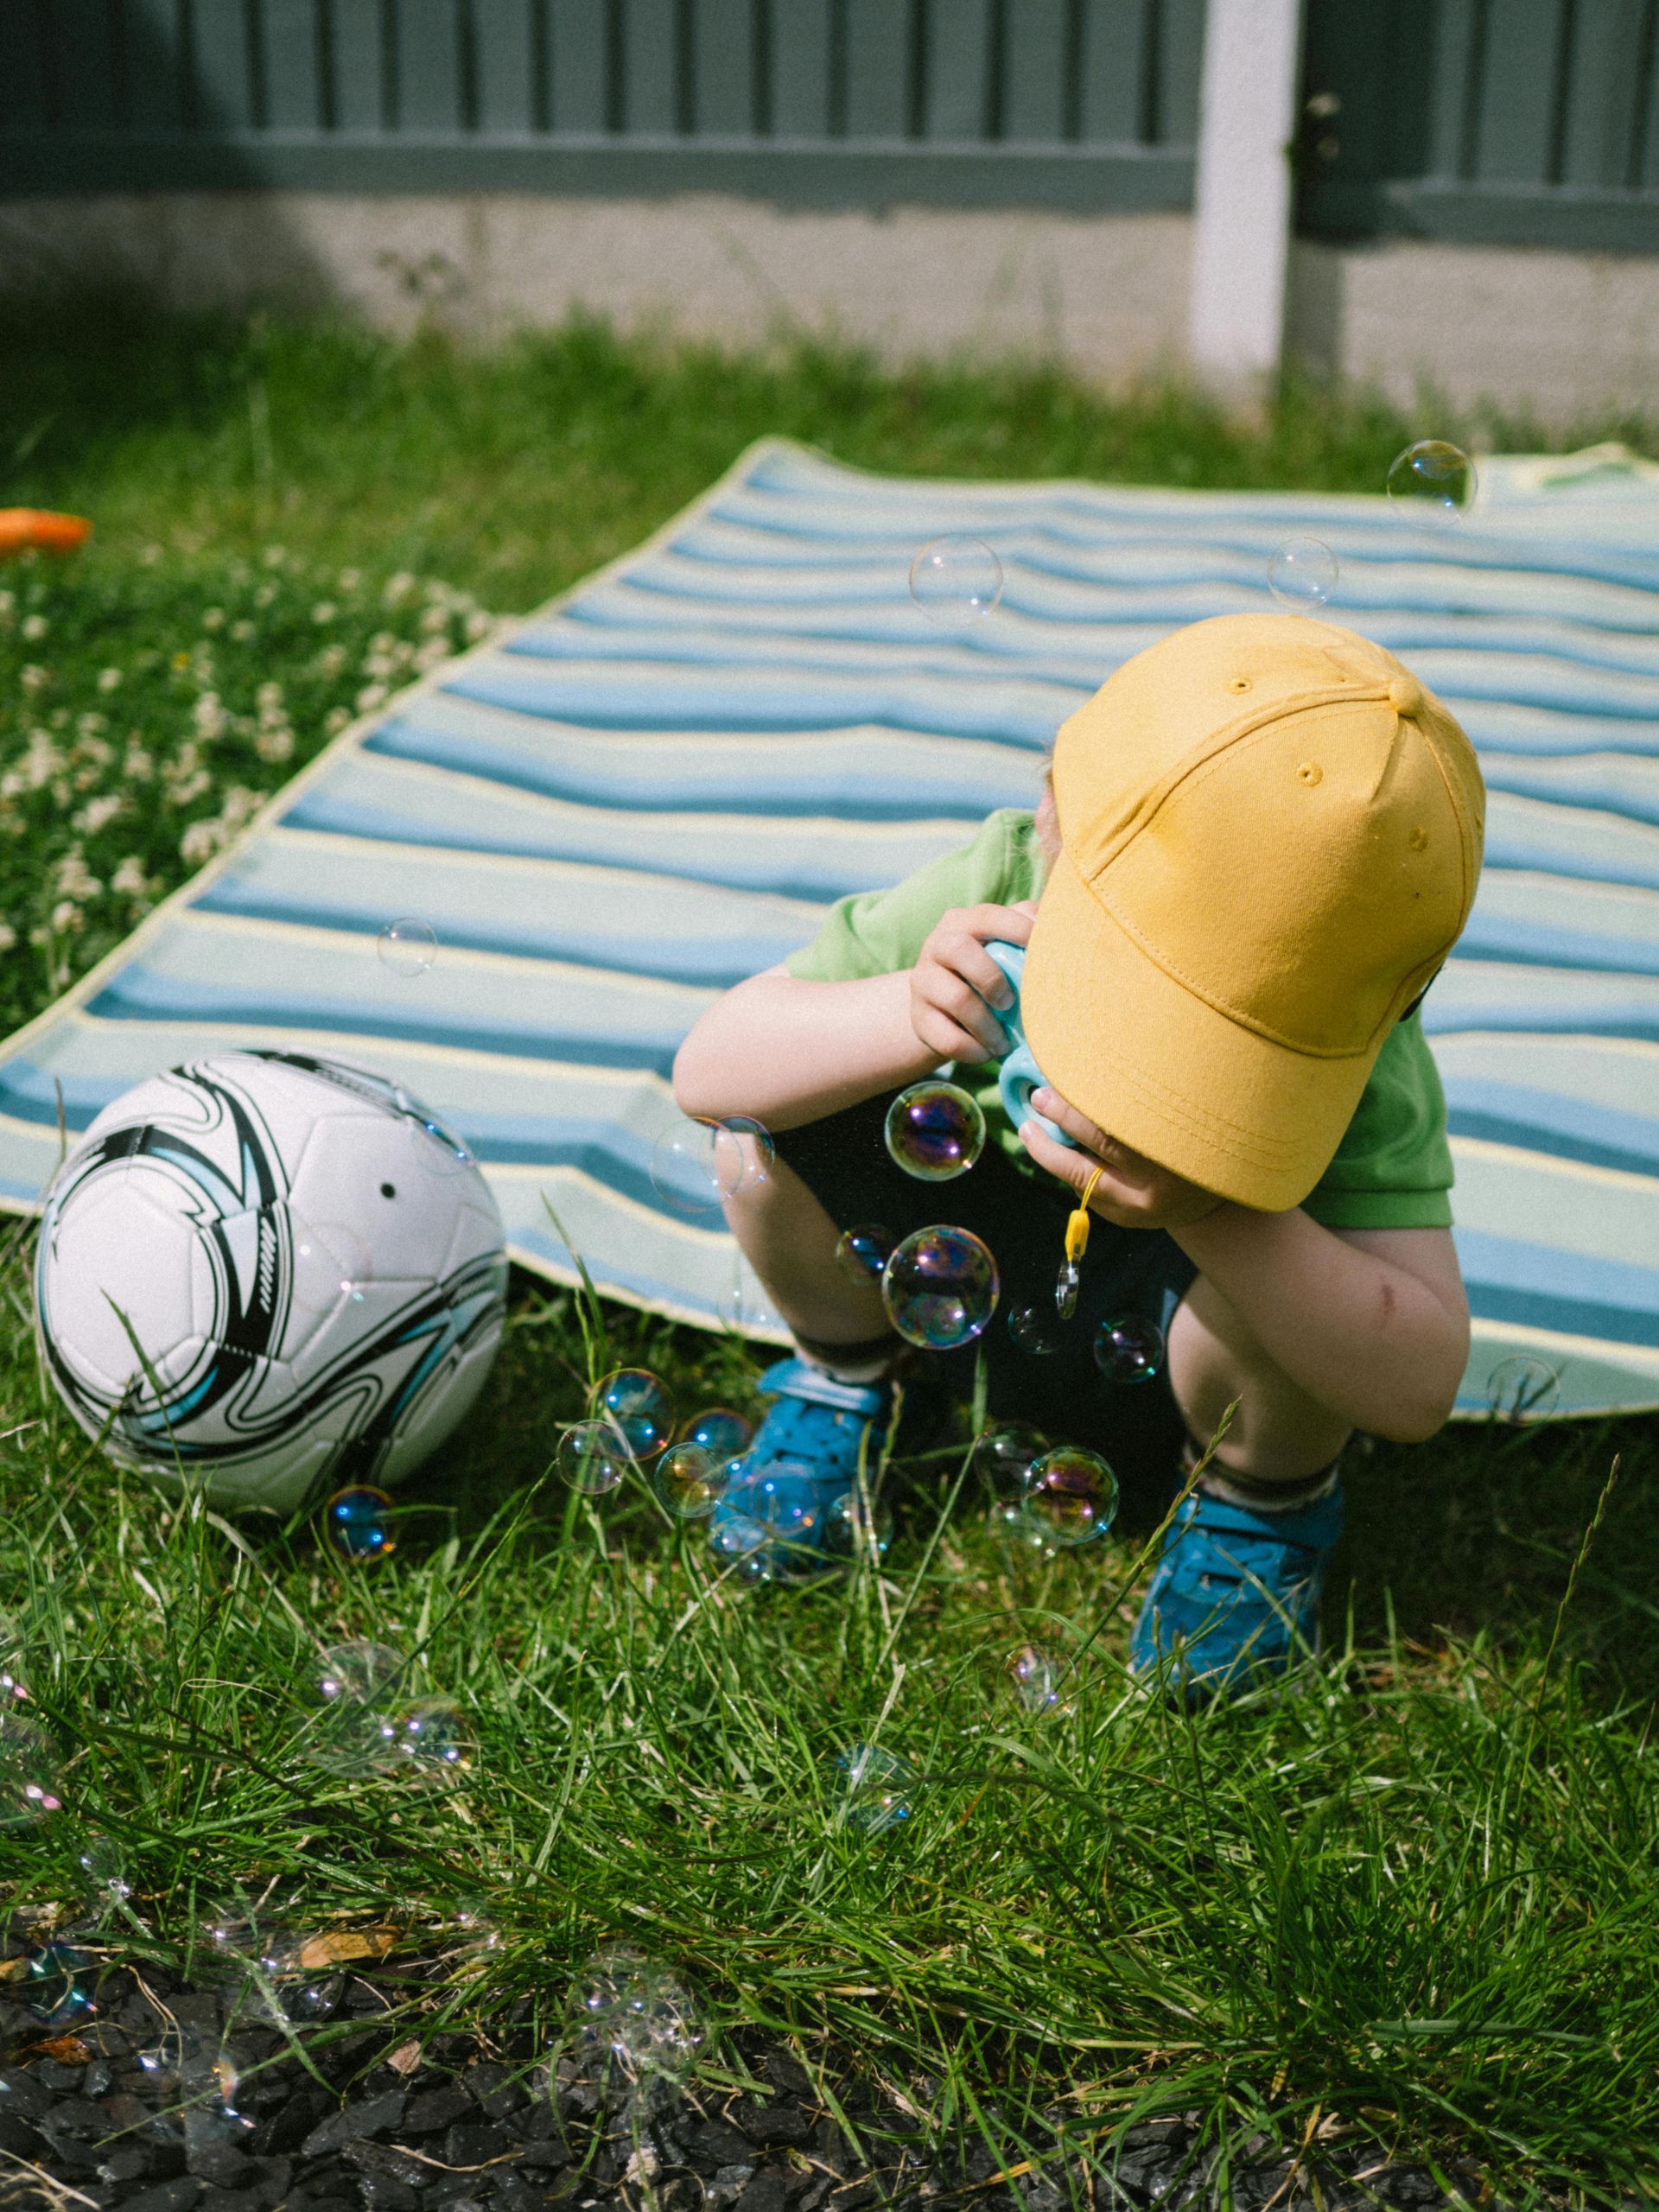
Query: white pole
point(1252, 54)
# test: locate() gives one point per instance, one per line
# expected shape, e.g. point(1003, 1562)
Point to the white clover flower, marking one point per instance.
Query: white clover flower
point(42, 761)
point(138, 764)
point(213, 618)
point(371, 696)
point(350, 579)
point(435, 620)
point(8, 605)
point(240, 805)
point(397, 588)
point(67, 917)
point(35, 626)
point(331, 660)
point(74, 878)
point(379, 666)
point(208, 716)
point(109, 679)
point(13, 784)
point(265, 593)
point(98, 813)
point(268, 695)
point(8, 937)
point(276, 743)
point(479, 625)
point(32, 678)
point(150, 555)
point(276, 556)
point(335, 719)
point(130, 880)
point(432, 654)
point(90, 725)
point(192, 787)
point(242, 631)
point(201, 841)
point(324, 611)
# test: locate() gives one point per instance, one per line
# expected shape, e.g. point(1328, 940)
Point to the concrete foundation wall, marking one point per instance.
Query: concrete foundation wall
point(1570, 336)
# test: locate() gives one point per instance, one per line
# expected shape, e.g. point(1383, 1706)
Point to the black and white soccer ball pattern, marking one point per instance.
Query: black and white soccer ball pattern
point(269, 1273)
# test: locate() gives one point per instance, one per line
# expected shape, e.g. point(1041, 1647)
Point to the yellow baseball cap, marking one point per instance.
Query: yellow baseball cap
point(1272, 835)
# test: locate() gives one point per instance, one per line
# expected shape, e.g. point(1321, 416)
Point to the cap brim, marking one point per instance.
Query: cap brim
point(1160, 1070)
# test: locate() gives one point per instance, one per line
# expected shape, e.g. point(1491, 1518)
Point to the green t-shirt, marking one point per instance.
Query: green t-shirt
point(1393, 1168)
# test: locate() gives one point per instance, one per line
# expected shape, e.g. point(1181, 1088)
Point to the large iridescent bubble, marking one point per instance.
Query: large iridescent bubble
point(940, 1288)
point(934, 1130)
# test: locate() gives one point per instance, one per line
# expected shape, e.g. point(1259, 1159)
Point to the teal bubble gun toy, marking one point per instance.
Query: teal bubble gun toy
point(1019, 1074)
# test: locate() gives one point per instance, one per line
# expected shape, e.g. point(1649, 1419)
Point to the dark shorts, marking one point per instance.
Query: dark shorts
point(844, 1162)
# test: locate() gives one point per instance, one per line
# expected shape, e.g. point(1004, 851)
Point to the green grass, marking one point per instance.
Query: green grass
point(1419, 1900)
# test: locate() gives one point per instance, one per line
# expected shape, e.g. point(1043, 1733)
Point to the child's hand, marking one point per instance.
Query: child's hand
point(1134, 1191)
point(955, 983)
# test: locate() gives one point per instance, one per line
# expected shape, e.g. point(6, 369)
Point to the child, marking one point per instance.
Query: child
point(1260, 840)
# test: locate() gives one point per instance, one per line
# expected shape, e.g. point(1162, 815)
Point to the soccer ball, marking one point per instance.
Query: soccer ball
point(265, 1272)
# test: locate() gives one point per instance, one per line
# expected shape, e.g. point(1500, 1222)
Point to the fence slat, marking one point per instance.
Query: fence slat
point(1112, 71)
point(293, 77)
point(223, 67)
point(1647, 166)
point(85, 65)
point(1181, 55)
point(1514, 131)
point(650, 76)
point(25, 100)
point(428, 75)
point(577, 98)
point(153, 45)
point(358, 60)
point(506, 47)
point(800, 69)
point(1034, 102)
point(877, 68)
point(722, 72)
point(958, 49)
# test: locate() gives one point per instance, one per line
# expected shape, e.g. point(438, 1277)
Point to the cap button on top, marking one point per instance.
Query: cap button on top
point(1405, 695)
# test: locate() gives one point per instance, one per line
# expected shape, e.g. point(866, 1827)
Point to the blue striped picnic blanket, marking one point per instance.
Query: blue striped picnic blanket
point(628, 801)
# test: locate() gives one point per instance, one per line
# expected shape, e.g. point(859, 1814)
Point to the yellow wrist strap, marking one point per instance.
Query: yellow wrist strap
point(1077, 1227)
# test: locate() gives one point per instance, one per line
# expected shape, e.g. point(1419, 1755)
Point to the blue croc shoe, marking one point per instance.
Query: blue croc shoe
point(1236, 1595)
point(782, 1516)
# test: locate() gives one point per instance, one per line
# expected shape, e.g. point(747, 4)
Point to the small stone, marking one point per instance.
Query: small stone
point(436, 2108)
point(765, 2193)
point(176, 2196)
point(729, 2185)
point(477, 2143)
point(333, 2134)
point(770, 2124)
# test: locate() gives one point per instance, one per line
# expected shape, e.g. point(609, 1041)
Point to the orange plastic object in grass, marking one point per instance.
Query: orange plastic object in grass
point(32, 530)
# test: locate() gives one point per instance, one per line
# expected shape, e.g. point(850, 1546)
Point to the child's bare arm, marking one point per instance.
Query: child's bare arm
point(788, 1051)
point(1372, 1324)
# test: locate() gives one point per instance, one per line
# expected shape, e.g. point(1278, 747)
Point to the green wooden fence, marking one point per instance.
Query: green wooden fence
point(1083, 104)
point(1526, 122)
point(1529, 121)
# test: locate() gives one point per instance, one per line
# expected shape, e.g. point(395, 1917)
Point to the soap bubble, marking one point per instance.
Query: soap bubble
point(695, 1164)
point(629, 2015)
point(636, 1408)
point(104, 1866)
point(358, 1673)
point(593, 1457)
point(1032, 1677)
point(940, 1288)
point(719, 1431)
point(956, 580)
point(1522, 1390)
point(408, 946)
point(862, 1253)
point(854, 1524)
point(1432, 481)
point(1129, 1349)
point(1071, 1497)
point(355, 1519)
point(872, 1789)
point(331, 1263)
point(1003, 1457)
point(934, 1130)
point(29, 1771)
point(1301, 574)
point(690, 1481)
point(431, 1740)
point(56, 1986)
point(1036, 1330)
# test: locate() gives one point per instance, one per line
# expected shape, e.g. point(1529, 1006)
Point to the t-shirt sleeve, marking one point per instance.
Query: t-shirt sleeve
point(877, 932)
point(1393, 1168)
